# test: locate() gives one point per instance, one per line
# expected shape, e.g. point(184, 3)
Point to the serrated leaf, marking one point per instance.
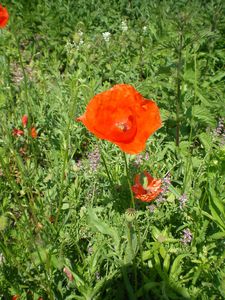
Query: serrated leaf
point(203, 114)
point(217, 236)
point(175, 269)
point(206, 140)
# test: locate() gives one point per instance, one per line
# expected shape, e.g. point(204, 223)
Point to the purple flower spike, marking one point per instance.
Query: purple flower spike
point(94, 158)
point(183, 199)
point(187, 236)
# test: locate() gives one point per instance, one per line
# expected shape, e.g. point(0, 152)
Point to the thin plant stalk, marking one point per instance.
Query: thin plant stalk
point(128, 180)
point(179, 82)
point(189, 160)
point(106, 168)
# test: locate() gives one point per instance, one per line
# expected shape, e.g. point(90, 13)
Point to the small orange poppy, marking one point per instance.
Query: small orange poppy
point(4, 16)
point(15, 297)
point(122, 116)
point(150, 190)
point(33, 133)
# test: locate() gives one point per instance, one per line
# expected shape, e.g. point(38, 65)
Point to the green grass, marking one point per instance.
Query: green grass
point(57, 207)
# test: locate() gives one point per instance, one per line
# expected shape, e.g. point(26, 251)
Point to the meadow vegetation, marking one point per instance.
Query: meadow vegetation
point(67, 227)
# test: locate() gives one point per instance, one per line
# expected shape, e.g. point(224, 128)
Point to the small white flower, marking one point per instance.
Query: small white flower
point(1, 258)
point(81, 42)
point(80, 33)
point(106, 36)
point(124, 26)
point(144, 29)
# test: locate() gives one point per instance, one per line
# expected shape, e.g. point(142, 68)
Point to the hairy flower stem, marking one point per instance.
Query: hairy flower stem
point(128, 180)
point(179, 82)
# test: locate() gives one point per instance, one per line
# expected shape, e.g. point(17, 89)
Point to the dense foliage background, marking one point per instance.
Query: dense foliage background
point(66, 230)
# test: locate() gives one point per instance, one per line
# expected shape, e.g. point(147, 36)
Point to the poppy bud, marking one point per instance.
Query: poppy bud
point(130, 215)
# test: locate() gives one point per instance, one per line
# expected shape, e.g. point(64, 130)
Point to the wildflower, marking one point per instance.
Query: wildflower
point(15, 297)
point(182, 200)
point(94, 158)
point(80, 33)
point(122, 116)
point(1, 258)
point(97, 276)
point(187, 236)
point(33, 133)
point(69, 275)
point(149, 190)
point(161, 198)
point(124, 26)
point(106, 36)
point(90, 250)
point(220, 130)
point(144, 29)
point(79, 164)
point(166, 181)
point(4, 16)
point(17, 132)
point(24, 120)
point(140, 157)
point(151, 207)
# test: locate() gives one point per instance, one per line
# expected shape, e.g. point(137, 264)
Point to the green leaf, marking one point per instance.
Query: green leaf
point(100, 226)
point(175, 269)
point(206, 140)
point(203, 114)
point(217, 236)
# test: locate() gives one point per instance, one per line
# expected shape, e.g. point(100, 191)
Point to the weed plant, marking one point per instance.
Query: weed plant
point(66, 231)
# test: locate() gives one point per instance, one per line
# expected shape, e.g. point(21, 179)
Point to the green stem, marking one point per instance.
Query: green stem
point(189, 159)
point(128, 180)
point(106, 168)
point(178, 102)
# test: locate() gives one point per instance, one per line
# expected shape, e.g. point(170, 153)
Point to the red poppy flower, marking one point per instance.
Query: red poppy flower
point(149, 190)
point(17, 132)
point(24, 120)
point(122, 116)
point(15, 297)
point(33, 133)
point(4, 16)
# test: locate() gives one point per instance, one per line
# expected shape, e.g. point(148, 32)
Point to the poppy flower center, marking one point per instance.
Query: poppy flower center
point(123, 130)
point(122, 126)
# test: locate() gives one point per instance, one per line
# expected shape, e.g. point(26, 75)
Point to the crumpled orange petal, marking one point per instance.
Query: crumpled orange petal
point(122, 116)
point(149, 193)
